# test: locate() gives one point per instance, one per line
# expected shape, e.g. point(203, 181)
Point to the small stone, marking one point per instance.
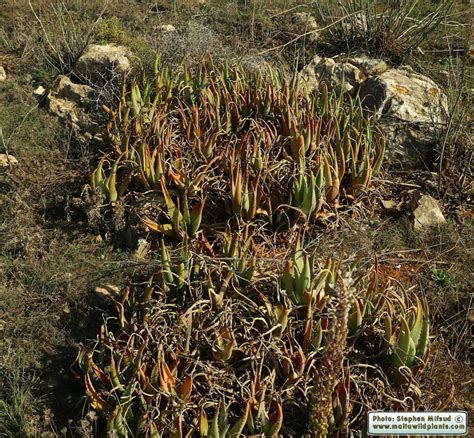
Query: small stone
point(7, 160)
point(426, 212)
point(98, 239)
point(166, 29)
point(3, 73)
point(142, 249)
point(391, 206)
point(108, 291)
point(39, 91)
point(306, 23)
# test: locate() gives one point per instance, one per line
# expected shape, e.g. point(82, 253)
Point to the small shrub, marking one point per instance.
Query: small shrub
point(191, 44)
point(110, 31)
point(440, 277)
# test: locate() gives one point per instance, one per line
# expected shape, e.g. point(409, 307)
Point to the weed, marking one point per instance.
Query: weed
point(18, 404)
point(61, 32)
point(111, 31)
point(440, 277)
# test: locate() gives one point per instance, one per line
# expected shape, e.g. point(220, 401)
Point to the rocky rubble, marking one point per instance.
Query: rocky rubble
point(426, 212)
point(410, 107)
point(7, 161)
point(75, 105)
point(77, 99)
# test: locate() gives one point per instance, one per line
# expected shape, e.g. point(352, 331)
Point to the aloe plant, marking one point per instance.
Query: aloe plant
point(107, 184)
point(219, 426)
point(183, 222)
point(241, 128)
point(299, 280)
point(224, 149)
point(236, 250)
point(409, 346)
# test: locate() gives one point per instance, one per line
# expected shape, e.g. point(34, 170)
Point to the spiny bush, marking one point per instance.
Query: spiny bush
point(193, 352)
point(225, 143)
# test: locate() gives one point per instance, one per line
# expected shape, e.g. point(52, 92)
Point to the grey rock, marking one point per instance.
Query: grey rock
point(405, 95)
point(340, 77)
point(101, 63)
point(426, 212)
point(100, 69)
point(412, 109)
point(74, 103)
point(7, 161)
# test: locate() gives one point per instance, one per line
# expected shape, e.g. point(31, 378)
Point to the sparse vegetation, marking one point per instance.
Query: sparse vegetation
point(18, 405)
point(384, 29)
point(274, 293)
